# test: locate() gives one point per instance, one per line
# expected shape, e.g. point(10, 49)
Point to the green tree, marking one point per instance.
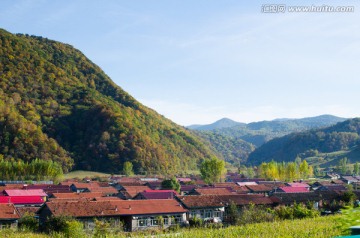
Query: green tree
point(356, 168)
point(128, 169)
point(304, 169)
point(172, 183)
point(212, 170)
point(343, 165)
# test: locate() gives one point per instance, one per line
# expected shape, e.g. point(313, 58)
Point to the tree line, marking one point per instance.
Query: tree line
point(12, 169)
point(285, 171)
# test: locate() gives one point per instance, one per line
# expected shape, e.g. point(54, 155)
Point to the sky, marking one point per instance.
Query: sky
point(197, 61)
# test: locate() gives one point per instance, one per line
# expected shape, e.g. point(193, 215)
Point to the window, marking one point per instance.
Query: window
point(141, 222)
point(208, 213)
point(193, 213)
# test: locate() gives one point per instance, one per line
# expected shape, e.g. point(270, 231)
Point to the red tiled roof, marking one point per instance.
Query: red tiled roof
point(104, 190)
point(259, 188)
point(76, 195)
point(197, 201)
point(246, 199)
point(22, 200)
point(132, 191)
point(213, 191)
point(27, 210)
point(168, 194)
point(114, 208)
point(8, 212)
point(294, 189)
point(298, 185)
point(23, 192)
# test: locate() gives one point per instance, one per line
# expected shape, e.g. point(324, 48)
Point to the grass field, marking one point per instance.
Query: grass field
point(321, 227)
point(84, 174)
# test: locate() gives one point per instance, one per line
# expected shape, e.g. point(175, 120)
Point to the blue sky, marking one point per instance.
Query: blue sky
point(196, 61)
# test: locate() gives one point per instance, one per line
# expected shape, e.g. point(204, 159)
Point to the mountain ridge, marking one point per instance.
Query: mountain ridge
point(89, 121)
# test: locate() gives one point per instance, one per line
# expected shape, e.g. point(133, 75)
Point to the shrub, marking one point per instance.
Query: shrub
point(255, 214)
point(196, 222)
point(64, 225)
point(28, 223)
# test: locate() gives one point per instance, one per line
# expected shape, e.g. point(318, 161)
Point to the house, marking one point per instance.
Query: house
point(349, 179)
point(205, 207)
point(129, 192)
point(186, 189)
point(332, 176)
point(298, 185)
point(49, 188)
point(9, 216)
point(288, 189)
point(76, 196)
point(133, 214)
point(332, 187)
point(23, 200)
point(184, 180)
point(156, 194)
point(155, 185)
point(259, 189)
point(243, 184)
point(105, 191)
point(317, 197)
point(211, 191)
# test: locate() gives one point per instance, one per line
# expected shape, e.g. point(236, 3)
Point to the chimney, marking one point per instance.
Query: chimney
point(129, 207)
point(116, 209)
point(14, 212)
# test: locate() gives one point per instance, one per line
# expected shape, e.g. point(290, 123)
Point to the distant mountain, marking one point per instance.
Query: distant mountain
point(55, 104)
point(220, 124)
point(258, 133)
point(234, 143)
point(320, 145)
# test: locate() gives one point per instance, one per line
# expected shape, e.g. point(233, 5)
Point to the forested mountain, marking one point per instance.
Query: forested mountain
point(258, 133)
point(343, 137)
point(232, 150)
point(220, 124)
point(55, 104)
point(235, 143)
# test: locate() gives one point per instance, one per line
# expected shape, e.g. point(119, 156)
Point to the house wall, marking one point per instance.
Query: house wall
point(207, 213)
point(5, 224)
point(139, 223)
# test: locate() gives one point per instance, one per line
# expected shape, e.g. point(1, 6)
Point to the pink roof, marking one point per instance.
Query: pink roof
point(298, 185)
point(294, 189)
point(22, 200)
point(28, 192)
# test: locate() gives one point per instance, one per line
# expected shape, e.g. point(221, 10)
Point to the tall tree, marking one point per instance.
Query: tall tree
point(356, 168)
point(172, 183)
point(128, 169)
point(212, 170)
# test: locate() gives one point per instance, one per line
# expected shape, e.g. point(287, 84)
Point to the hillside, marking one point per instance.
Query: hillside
point(342, 139)
point(230, 149)
point(56, 104)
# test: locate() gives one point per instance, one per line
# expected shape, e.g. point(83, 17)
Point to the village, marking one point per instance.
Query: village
point(141, 203)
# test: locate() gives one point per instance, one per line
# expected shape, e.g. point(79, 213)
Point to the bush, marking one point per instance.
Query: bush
point(65, 225)
point(297, 211)
point(28, 223)
point(196, 222)
point(255, 214)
